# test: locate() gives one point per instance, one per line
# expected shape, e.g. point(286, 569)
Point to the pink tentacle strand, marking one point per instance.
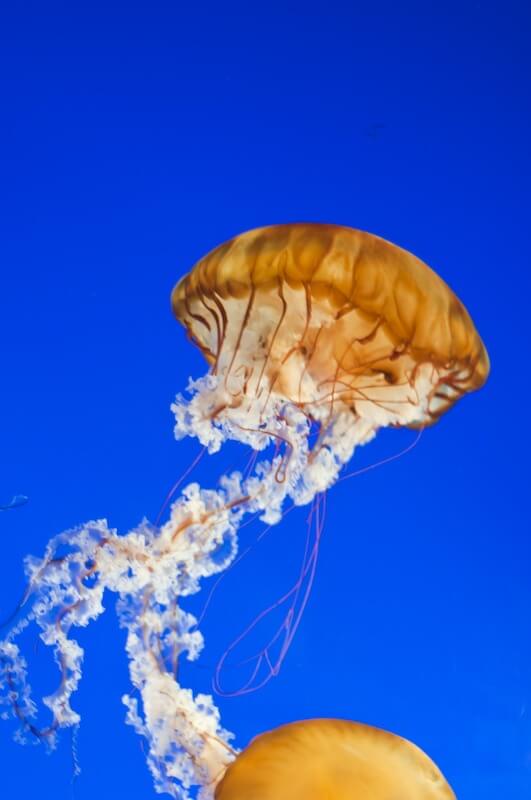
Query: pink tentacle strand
point(297, 597)
point(173, 491)
point(355, 473)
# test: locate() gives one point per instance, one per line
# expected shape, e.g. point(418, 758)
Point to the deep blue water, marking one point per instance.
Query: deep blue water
point(137, 136)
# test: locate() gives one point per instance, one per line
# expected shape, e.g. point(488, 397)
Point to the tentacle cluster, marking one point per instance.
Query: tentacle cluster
point(151, 567)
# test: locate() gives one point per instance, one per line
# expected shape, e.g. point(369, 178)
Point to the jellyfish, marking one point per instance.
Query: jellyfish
point(321, 759)
point(316, 336)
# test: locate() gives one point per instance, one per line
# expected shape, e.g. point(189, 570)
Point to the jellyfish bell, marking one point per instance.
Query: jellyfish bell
point(321, 759)
point(331, 319)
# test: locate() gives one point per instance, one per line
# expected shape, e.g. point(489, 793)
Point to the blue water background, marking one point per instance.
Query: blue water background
point(137, 136)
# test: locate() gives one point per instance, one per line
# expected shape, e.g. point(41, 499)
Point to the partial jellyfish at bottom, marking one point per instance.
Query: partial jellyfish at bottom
point(319, 759)
point(316, 337)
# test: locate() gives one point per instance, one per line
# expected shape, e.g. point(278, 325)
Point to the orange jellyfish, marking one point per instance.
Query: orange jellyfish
point(330, 319)
point(329, 324)
point(332, 759)
point(316, 337)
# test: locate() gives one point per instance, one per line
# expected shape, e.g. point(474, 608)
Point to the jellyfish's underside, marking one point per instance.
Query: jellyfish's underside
point(329, 759)
point(331, 317)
